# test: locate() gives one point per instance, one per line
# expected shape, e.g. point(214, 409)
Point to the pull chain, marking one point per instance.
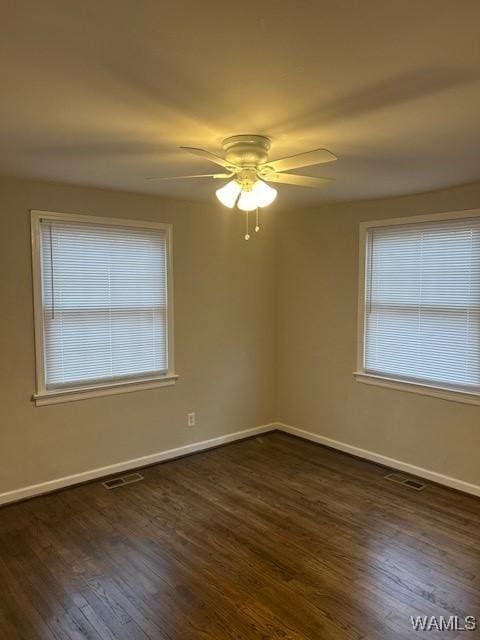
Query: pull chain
point(257, 226)
point(247, 235)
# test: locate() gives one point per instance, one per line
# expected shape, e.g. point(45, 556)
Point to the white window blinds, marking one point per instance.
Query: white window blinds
point(422, 303)
point(104, 302)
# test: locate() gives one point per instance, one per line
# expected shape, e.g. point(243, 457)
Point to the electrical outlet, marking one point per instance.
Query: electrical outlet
point(191, 419)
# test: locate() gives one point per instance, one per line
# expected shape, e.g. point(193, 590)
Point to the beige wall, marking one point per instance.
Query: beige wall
point(231, 338)
point(317, 283)
point(224, 314)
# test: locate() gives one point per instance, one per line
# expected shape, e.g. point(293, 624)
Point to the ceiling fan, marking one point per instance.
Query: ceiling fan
point(246, 163)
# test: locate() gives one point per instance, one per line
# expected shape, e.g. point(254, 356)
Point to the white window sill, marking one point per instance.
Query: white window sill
point(454, 395)
point(112, 388)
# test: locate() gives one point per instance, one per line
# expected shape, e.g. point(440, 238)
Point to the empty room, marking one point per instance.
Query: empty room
point(240, 320)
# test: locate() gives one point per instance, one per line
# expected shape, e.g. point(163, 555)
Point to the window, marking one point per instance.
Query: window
point(102, 305)
point(420, 304)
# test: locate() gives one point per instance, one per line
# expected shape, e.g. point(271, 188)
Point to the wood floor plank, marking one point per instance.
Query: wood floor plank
point(269, 538)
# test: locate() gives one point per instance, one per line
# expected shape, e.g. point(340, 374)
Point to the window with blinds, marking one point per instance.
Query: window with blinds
point(422, 302)
point(104, 302)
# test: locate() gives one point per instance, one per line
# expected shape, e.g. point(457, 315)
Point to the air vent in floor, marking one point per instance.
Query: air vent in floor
point(406, 480)
point(121, 481)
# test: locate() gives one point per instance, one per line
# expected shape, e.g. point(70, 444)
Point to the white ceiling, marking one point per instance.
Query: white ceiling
point(102, 92)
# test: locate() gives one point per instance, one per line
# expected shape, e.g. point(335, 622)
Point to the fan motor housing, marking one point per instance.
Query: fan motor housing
point(246, 150)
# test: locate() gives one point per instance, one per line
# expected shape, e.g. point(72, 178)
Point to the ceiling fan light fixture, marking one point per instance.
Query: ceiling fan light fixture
point(246, 165)
point(229, 193)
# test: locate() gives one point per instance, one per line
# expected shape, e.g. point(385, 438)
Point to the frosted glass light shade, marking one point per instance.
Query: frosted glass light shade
point(261, 195)
point(248, 201)
point(228, 194)
point(264, 193)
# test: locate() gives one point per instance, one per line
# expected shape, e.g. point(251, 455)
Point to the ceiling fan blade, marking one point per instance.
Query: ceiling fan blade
point(299, 181)
point(317, 156)
point(199, 175)
point(203, 153)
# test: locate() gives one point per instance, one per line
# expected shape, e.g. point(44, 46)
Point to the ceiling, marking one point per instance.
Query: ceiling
point(103, 92)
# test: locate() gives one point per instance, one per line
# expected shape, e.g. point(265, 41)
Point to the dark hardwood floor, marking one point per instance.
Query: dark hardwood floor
point(272, 537)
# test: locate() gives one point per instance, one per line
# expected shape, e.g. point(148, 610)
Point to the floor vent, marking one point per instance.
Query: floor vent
point(406, 480)
point(121, 481)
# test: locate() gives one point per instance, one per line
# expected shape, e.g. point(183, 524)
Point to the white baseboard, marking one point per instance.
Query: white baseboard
point(453, 483)
point(127, 465)
point(169, 454)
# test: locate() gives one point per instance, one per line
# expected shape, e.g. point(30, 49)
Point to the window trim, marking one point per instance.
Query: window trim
point(42, 395)
point(414, 386)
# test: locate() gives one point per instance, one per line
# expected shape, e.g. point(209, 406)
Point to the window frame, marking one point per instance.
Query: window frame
point(44, 396)
point(361, 374)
